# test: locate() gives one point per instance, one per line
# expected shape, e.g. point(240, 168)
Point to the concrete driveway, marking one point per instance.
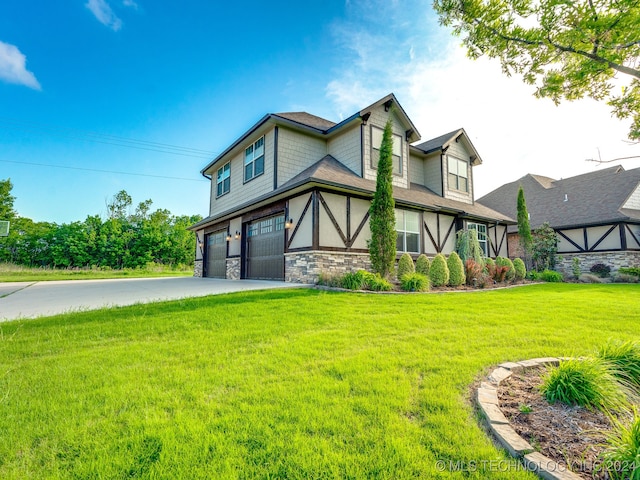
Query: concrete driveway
point(36, 299)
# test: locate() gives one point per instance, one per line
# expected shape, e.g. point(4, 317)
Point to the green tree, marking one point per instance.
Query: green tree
point(382, 219)
point(6, 200)
point(567, 49)
point(524, 228)
point(544, 248)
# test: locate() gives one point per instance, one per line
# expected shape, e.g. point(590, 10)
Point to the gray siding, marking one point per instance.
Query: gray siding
point(296, 152)
point(634, 200)
point(416, 170)
point(240, 192)
point(345, 148)
point(433, 173)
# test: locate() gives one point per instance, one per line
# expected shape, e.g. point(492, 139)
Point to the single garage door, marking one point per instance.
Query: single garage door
point(265, 249)
point(216, 255)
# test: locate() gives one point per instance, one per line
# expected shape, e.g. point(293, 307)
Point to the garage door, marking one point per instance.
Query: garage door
point(265, 249)
point(216, 255)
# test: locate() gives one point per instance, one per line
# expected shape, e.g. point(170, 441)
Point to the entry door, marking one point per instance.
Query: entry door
point(265, 249)
point(216, 254)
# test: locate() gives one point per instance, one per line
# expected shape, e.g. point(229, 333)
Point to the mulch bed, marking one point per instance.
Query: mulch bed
point(570, 435)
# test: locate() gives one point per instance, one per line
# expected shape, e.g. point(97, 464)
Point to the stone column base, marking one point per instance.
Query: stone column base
point(306, 267)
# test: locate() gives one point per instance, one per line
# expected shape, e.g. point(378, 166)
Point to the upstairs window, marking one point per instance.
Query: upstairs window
point(408, 230)
point(481, 229)
point(458, 174)
point(223, 180)
point(376, 141)
point(254, 160)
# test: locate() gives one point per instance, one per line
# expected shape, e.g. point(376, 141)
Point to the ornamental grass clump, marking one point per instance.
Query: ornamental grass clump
point(414, 282)
point(519, 269)
point(423, 265)
point(405, 265)
point(588, 383)
point(354, 280)
point(621, 458)
point(439, 272)
point(456, 270)
point(624, 357)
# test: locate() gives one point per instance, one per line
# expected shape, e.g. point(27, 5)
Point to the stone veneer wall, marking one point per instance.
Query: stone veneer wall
point(305, 267)
point(615, 260)
point(197, 268)
point(233, 268)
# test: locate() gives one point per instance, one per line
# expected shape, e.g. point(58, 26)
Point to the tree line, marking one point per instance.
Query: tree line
point(124, 239)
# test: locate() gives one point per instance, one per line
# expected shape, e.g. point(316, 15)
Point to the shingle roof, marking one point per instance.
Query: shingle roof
point(330, 171)
point(305, 118)
point(438, 142)
point(587, 199)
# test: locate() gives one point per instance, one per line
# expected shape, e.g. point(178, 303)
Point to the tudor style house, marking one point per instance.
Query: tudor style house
point(290, 198)
point(596, 215)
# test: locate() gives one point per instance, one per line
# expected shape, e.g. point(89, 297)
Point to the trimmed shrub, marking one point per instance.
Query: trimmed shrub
point(414, 282)
point(625, 278)
point(601, 270)
point(551, 276)
point(587, 383)
point(405, 265)
point(439, 272)
point(575, 267)
point(423, 265)
point(488, 263)
point(456, 270)
point(519, 269)
point(509, 273)
point(635, 271)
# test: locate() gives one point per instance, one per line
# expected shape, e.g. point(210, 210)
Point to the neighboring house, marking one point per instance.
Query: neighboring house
point(290, 198)
point(596, 216)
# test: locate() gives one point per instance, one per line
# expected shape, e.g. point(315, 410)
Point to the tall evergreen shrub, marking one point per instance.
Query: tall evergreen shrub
point(405, 265)
point(439, 271)
point(423, 265)
point(382, 219)
point(524, 228)
point(456, 270)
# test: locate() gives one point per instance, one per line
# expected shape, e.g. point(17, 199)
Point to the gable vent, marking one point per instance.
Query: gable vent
point(566, 197)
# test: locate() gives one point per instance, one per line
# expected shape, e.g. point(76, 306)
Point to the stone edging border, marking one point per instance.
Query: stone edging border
point(487, 400)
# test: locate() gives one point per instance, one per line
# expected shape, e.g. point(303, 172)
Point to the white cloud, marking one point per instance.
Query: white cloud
point(105, 15)
point(441, 90)
point(13, 67)
point(130, 3)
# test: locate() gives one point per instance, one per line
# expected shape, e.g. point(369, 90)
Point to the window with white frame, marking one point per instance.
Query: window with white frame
point(376, 141)
point(481, 229)
point(458, 174)
point(254, 160)
point(223, 180)
point(408, 229)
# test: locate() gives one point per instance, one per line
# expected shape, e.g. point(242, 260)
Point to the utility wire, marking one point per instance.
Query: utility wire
point(13, 124)
point(103, 171)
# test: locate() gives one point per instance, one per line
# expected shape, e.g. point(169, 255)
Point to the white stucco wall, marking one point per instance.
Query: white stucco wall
point(304, 234)
point(329, 236)
point(633, 202)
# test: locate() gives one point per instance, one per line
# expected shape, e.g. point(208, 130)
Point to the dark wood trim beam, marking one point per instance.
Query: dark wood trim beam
point(333, 220)
point(358, 230)
point(433, 240)
point(316, 220)
point(586, 239)
point(580, 249)
point(623, 237)
point(275, 158)
point(632, 234)
point(446, 237)
point(595, 245)
point(299, 222)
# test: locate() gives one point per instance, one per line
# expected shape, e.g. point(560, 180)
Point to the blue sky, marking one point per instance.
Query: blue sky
point(106, 86)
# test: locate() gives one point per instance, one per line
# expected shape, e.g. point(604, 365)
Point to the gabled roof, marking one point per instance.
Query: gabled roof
point(588, 199)
point(442, 142)
point(305, 118)
point(389, 101)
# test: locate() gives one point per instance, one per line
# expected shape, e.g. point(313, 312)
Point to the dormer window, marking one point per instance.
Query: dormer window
point(458, 174)
point(376, 141)
point(254, 160)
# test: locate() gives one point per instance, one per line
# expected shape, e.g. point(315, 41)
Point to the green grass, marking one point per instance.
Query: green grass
point(18, 273)
point(282, 384)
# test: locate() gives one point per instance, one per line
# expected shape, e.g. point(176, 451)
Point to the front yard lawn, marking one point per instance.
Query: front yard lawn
point(283, 384)
point(18, 273)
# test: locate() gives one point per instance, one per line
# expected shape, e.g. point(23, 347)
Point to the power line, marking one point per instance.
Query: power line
point(107, 139)
point(103, 171)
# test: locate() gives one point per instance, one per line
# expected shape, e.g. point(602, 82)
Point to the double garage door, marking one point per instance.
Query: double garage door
point(265, 249)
